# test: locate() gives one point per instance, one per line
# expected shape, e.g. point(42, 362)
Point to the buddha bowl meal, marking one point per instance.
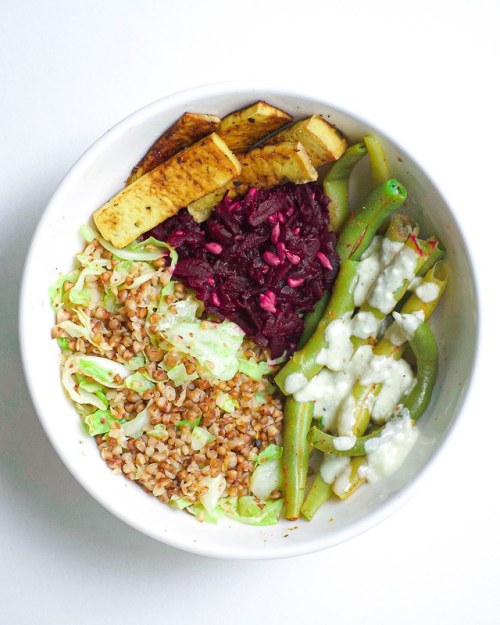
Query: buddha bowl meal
point(239, 338)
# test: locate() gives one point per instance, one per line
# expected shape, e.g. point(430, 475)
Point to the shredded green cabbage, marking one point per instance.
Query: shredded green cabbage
point(99, 422)
point(184, 310)
point(212, 494)
point(110, 302)
point(149, 249)
point(202, 514)
point(79, 395)
point(78, 331)
point(190, 424)
point(138, 425)
point(253, 369)
point(260, 397)
point(250, 511)
point(159, 432)
point(266, 478)
point(138, 383)
point(56, 292)
point(136, 362)
point(63, 344)
point(120, 273)
point(214, 345)
point(79, 295)
point(200, 437)
point(226, 402)
point(179, 375)
point(103, 370)
point(271, 452)
point(180, 504)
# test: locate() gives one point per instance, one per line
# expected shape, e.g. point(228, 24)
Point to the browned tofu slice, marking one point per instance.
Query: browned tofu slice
point(261, 167)
point(163, 191)
point(322, 141)
point(188, 129)
point(243, 129)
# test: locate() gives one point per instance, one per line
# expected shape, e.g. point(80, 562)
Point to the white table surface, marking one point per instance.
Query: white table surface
point(426, 72)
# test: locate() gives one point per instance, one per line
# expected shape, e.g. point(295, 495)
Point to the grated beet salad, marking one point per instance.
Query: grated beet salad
point(261, 261)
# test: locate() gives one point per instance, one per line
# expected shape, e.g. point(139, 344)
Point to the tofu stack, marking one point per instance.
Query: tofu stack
point(201, 157)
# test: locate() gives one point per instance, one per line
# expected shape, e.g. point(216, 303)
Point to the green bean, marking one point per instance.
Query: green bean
point(327, 443)
point(319, 493)
point(312, 319)
point(436, 255)
point(296, 451)
point(378, 160)
point(336, 185)
point(363, 224)
point(401, 227)
point(437, 275)
point(297, 421)
point(321, 490)
point(341, 302)
point(424, 346)
point(355, 480)
point(423, 250)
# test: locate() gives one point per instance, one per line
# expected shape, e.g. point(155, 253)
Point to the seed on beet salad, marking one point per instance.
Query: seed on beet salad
point(261, 261)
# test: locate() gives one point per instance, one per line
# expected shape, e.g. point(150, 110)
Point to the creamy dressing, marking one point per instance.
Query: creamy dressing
point(294, 382)
point(344, 443)
point(387, 452)
point(427, 292)
point(340, 349)
point(365, 324)
point(396, 377)
point(367, 271)
point(343, 482)
point(390, 249)
point(380, 253)
point(332, 466)
point(393, 278)
point(404, 326)
point(369, 267)
point(327, 389)
point(415, 283)
point(346, 416)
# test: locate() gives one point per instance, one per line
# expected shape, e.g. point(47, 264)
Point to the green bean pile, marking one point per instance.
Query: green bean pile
point(356, 231)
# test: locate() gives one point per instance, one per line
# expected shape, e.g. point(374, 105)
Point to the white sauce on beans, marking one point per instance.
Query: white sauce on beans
point(384, 268)
point(414, 283)
point(427, 291)
point(368, 269)
point(387, 452)
point(343, 482)
point(396, 377)
point(340, 349)
point(332, 466)
point(344, 443)
point(327, 389)
point(404, 326)
point(380, 253)
point(365, 324)
point(294, 382)
point(390, 250)
point(392, 278)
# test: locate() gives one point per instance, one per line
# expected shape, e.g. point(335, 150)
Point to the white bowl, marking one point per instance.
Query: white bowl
point(100, 173)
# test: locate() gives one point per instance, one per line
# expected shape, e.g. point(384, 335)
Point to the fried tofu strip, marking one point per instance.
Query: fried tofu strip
point(163, 191)
point(188, 129)
point(322, 141)
point(261, 167)
point(243, 129)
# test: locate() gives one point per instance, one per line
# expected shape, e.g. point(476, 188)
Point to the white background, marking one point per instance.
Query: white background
point(426, 72)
